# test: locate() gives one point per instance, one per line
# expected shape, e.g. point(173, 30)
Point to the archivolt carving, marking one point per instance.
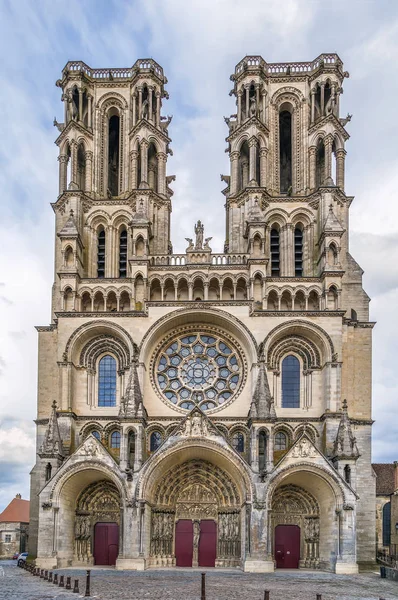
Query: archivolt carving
point(305, 327)
point(306, 349)
point(87, 326)
point(104, 344)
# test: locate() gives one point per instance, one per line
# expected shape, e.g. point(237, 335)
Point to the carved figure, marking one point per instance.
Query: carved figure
point(346, 120)
point(196, 534)
point(196, 425)
point(187, 428)
point(59, 126)
point(145, 109)
point(199, 230)
point(206, 244)
point(190, 242)
point(226, 179)
point(252, 107)
point(165, 122)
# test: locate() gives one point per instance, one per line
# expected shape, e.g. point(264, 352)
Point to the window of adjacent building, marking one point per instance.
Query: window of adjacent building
point(262, 450)
point(115, 440)
point(7, 538)
point(101, 254)
point(298, 252)
point(280, 442)
point(290, 382)
point(123, 254)
point(387, 524)
point(107, 381)
point(238, 441)
point(155, 441)
point(275, 253)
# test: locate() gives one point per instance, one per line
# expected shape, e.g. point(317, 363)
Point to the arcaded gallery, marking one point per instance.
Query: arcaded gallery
point(205, 408)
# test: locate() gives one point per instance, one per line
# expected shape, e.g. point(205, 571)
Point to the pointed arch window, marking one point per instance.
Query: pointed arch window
point(280, 442)
point(115, 440)
point(285, 151)
point(262, 450)
point(131, 450)
point(238, 441)
point(298, 252)
point(275, 253)
point(107, 381)
point(123, 254)
point(101, 254)
point(48, 471)
point(290, 382)
point(155, 441)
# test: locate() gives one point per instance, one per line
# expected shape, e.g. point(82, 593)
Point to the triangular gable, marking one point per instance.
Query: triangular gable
point(196, 424)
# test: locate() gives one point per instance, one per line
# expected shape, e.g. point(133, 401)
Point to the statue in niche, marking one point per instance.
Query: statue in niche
point(252, 107)
point(145, 109)
point(199, 230)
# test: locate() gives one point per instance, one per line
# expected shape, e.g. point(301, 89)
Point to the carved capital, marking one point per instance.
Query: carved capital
point(235, 155)
point(263, 152)
point(162, 157)
point(88, 155)
point(63, 158)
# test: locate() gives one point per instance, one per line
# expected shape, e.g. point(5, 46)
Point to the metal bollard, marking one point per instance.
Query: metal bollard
point(61, 581)
point(41, 573)
point(266, 595)
point(68, 585)
point(76, 587)
point(319, 597)
point(88, 576)
point(50, 577)
point(203, 592)
point(45, 575)
point(55, 580)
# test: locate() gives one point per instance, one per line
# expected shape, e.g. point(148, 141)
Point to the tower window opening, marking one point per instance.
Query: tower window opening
point(123, 254)
point(131, 449)
point(113, 154)
point(244, 161)
point(285, 151)
point(107, 381)
point(320, 163)
point(275, 253)
point(347, 474)
point(298, 252)
point(81, 168)
point(262, 451)
point(48, 471)
point(290, 382)
point(101, 254)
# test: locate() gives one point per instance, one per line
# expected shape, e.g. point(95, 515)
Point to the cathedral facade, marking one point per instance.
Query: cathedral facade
point(204, 408)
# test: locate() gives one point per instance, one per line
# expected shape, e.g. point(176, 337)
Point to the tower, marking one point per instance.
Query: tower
point(203, 393)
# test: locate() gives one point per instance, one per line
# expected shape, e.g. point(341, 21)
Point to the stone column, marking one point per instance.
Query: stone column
point(312, 167)
point(134, 103)
point(313, 92)
point(80, 105)
point(63, 172)
point(133, 169)
point(289, 250)
point(144, 161)
point(239, 116)
point(88, 157)
point(253, 159)
point(206, 290)
point(157, 120)
point(257, 87)
point(245, 173)
point(190, 291)
point(162, 159)
point(263, 167)
point(139, 103)
point(247, 88)
point(322, 99)
point(150, 112)
point(340, 167)
point(234, 157)
point(73, 146)
point(89, 111)
point(328, 157)
point(258, 561)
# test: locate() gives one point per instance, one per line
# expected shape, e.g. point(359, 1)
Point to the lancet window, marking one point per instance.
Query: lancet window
point(262, 450)
point(123, 254)
point(285, 151)
point(107, 381)
point(155, 441)
point(101, 254)
point(298, 252)
point(290, 382)
point(113, 154)
point(275, 253)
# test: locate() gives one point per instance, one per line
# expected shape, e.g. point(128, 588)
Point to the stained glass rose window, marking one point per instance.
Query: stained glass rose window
point(198, 369)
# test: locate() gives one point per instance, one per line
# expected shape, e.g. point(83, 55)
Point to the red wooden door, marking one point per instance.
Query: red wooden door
point(184, 543)
point(207, 544)
point(287, 546)
point(106, 543)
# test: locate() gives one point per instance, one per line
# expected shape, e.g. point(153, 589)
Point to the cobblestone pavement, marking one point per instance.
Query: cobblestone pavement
point(108, 584)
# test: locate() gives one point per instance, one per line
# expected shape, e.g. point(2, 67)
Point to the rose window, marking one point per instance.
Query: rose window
point(198, 370)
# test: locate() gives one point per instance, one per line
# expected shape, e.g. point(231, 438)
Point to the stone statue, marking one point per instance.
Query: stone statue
point(199, 230)
point(226, 179)
point(145, 109)
point(59, 126)
point(196, 425)
point(165, 122)
point(252, 107)
point(206, 244)
point(190, 242)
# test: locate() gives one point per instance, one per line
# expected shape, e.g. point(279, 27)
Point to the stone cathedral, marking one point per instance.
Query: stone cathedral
point(205, 408)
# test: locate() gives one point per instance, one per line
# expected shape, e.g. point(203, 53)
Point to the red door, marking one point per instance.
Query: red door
point(287, 546)
point(106, 543)
point(207, 544)
point(184, 543)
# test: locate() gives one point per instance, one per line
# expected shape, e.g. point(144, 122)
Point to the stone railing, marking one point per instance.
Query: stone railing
point(178, 260)
point(254, 62)
point(143, 64)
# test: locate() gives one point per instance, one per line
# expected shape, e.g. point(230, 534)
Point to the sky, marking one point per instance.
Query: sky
point(198, 43)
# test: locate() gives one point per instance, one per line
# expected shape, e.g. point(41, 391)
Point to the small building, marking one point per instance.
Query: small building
point(386, 484)
point(14, 527)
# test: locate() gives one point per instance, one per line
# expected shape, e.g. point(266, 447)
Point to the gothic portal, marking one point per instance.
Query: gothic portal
point(204, 408)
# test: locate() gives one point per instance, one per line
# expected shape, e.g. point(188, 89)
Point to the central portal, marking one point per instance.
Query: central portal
point(196, 543)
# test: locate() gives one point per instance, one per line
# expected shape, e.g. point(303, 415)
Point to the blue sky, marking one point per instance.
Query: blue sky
point(198, 43)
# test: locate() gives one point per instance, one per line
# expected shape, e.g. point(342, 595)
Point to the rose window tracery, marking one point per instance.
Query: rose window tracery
point(198, 369)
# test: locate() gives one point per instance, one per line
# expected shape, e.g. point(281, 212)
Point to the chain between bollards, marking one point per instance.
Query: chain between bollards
point(203, 591)
point(88, 577)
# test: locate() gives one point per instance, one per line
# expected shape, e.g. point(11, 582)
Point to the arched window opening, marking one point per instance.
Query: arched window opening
point(182, 292)
point(68, 169)
point(155, 441)
point(354, 316)
point(387, 524)
point(155, 291)
point(99, 303)
point(275, 253)
point(169, 290)
point(111, 302)
point(115, 440)
point(69, 258)
point(227, 290)
point(152, 167)
point(244, 159)
point(285, 151)
point(332, 298)
point(298, 252)
point(257, 246)
point(101, 254)
point(238, 441)
point(107, 381)
point(286, 301)
point(257, 289)
point(347, 474)
point(86, 302)
point(68, 300)
point(280, 441)
point(327, 98)
point(48, 471)
point(272, 302)
point(140, 247)
point(313, 301)
point(131, 450)
point(96, 434)
point(75, 104)
point(290, 382)
point(332, 255)
point(241, 290)
point(262, 451)
point(124, 302)
point(81, 168)
point(299, 301)
point(320, 163)
point(113, 154)
point(334, 162)
point(198, 292)
point(123, 254)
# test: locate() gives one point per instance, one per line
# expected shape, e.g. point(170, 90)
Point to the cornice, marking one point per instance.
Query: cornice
point(41, 328)
point(359, 324)
point(296, 313)
point(102, 314)
point(203, 304)
point(70, 126)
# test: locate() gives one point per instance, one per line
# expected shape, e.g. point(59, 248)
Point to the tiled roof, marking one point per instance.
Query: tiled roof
point(16, 512)
point(385, 482)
